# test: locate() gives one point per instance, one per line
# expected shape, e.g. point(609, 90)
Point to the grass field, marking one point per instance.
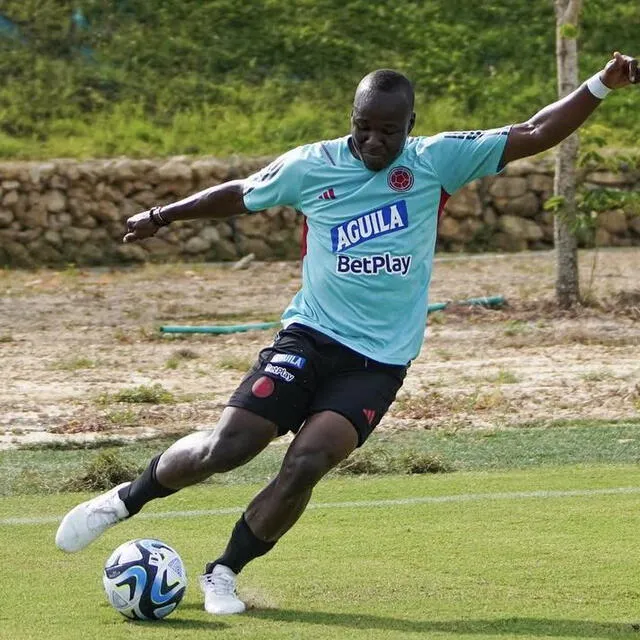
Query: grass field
point(516, 554)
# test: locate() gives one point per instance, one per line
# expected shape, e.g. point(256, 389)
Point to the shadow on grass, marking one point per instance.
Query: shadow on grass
point(511, 627)
point(181, 623)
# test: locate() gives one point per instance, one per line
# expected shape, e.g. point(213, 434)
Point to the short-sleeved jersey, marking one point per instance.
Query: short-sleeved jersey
point(370, 235)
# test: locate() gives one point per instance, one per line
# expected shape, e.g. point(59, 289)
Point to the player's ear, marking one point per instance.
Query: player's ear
point(412, 122)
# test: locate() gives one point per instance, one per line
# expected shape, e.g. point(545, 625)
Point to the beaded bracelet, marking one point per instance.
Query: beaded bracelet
point(155, 215)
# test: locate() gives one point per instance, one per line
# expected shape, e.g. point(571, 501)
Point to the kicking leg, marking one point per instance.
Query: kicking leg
point(239, 436)
point(326, 439)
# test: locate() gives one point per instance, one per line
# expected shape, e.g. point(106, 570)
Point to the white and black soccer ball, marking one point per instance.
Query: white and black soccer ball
point(144, 579)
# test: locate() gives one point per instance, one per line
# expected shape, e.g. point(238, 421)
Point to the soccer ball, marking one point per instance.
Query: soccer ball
point(144, 579)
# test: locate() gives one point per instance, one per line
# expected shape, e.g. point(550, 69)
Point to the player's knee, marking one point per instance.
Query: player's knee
point(303, 470)
point(229, 447)
point(238, 437)
point(221, 452)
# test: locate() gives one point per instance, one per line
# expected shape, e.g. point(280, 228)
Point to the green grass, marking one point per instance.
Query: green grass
point(179, 356)
point(484, 567)
point(74, 364)
point(142, 394)
point(504, 377)
point(240, 91)
point(49, 468)
point(236, 363)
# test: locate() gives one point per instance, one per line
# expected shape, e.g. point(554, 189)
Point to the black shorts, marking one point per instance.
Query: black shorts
point(305, 372)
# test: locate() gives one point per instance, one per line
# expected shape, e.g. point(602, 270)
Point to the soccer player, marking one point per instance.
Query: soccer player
point(371, 202)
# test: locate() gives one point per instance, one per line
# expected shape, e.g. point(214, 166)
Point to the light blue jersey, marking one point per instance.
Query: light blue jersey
point(370, 236)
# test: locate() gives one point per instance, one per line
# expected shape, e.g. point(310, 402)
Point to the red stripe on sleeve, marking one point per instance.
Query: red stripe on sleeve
point(444, 196)
point(303, 243)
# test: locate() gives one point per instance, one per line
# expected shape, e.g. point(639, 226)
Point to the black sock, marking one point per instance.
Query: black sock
point(243, 547)
point(143, 489)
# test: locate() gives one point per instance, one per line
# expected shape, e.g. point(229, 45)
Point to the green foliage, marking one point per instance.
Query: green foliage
point(236, 363)
point(252, 77)
point(516, 327)
point(569, 31)
point(592, 201)
point(555, 204)
point(108, 469)
point(74, 363)
point(122, 417)
point(505, 377)
point(381, 459)
point(367, 461)
point(154, 394)
point(419, 462)
point(179, 356)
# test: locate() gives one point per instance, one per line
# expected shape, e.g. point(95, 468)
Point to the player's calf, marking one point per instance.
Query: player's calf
point(240, 435)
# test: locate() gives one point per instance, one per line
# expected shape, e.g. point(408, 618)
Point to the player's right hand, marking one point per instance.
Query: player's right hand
point(621, 71)
point(139, 227)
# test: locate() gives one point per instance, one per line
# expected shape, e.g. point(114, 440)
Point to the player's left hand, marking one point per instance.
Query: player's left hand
point(620, 71)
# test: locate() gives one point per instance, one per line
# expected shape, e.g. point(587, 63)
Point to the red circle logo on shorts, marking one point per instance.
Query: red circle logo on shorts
point(263, 387)
point(400, 179)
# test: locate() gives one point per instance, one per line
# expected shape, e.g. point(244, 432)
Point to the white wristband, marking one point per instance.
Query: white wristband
point(598, 88)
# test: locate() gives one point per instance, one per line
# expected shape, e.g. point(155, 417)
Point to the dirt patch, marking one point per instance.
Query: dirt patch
point(71, 339)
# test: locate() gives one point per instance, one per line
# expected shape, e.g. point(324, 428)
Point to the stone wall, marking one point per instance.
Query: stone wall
point(62, 212)
point(506, 212)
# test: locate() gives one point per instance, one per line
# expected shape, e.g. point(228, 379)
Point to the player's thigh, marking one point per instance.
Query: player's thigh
point(325, 434)
point(362, 396)
point(281, 384)
point(325, 439)
point(238, 437)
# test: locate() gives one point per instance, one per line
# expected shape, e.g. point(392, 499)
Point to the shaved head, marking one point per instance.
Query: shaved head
point(382, 118)
point(386, 81)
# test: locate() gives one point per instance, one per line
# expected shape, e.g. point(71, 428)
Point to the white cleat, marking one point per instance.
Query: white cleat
point(219, 588)
point(89, 520)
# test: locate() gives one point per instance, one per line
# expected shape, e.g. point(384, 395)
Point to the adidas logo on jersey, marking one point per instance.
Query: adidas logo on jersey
point(372, 224)
point(329, 194)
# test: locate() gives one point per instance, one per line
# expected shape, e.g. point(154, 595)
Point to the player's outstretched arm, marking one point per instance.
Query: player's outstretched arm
point(221, 201)
point(559, 120)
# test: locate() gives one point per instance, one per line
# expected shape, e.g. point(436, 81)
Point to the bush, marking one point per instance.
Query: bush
point(106, 470)
point(377, 460)
point(370, 460)
point(154, 394)
point(418, 462)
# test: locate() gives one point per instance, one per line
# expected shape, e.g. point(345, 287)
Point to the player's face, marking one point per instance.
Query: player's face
point(380, 124)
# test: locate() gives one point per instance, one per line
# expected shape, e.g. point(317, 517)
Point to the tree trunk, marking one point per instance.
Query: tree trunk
point(567, 281)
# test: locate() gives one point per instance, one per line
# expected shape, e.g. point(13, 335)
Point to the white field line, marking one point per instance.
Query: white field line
point(357, 504)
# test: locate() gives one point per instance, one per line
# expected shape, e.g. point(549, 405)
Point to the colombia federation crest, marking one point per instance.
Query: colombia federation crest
point(400, 179)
